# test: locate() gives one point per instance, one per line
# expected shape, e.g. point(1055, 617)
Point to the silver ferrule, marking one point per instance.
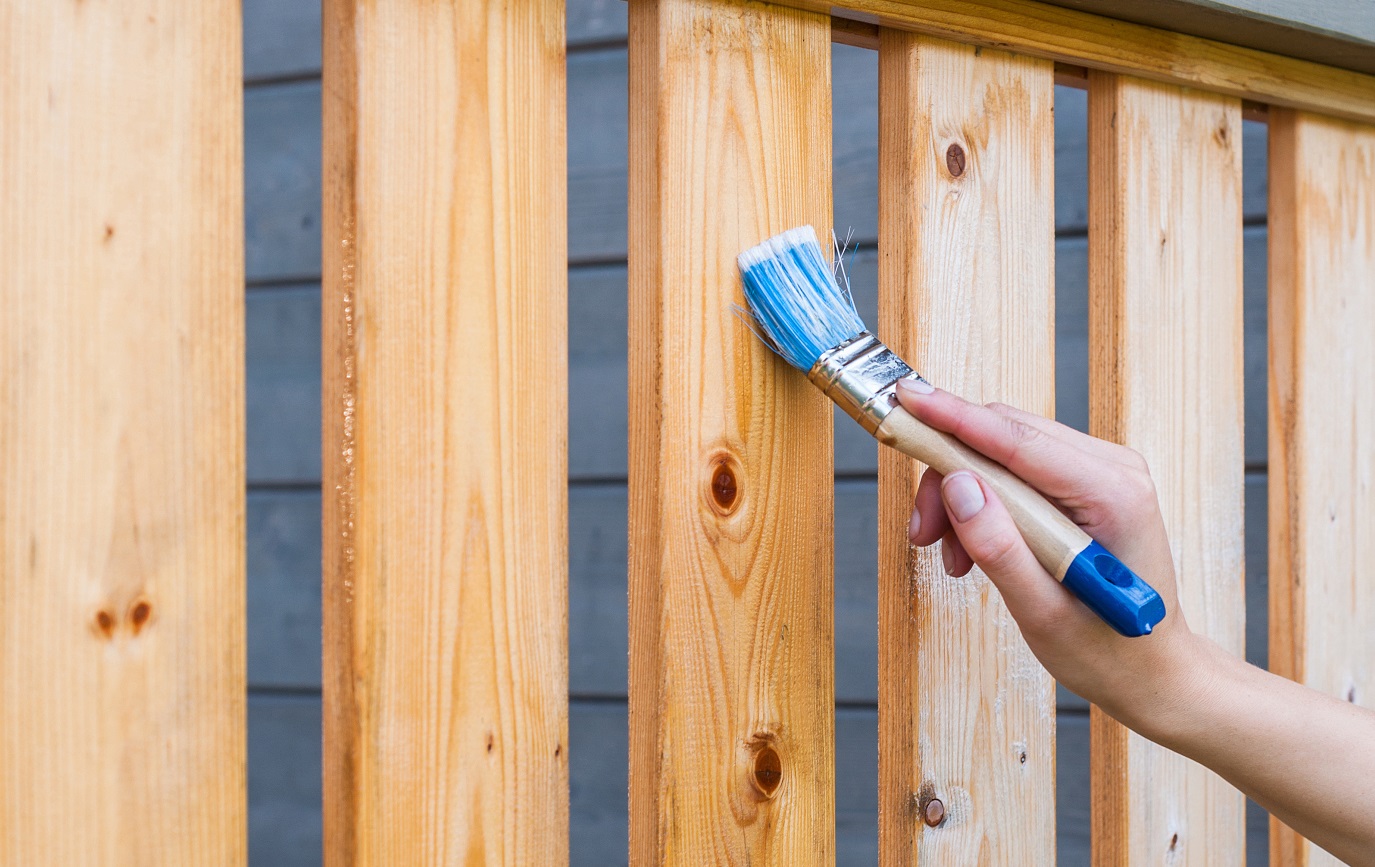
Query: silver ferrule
point(861, 375)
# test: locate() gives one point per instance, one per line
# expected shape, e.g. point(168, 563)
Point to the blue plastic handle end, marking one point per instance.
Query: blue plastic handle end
point(1114, 592)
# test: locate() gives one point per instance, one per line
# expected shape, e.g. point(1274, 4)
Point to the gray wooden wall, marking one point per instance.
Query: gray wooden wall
point(282, 120)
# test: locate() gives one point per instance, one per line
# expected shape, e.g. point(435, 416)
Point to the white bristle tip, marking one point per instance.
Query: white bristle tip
point(778, 245)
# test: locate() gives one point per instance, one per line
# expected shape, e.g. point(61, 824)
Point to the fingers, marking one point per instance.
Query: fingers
point(956, 560)
point(930, 524)
point(929, 521)
point(990, 539)
point(1052, 465)
point(1091, 444)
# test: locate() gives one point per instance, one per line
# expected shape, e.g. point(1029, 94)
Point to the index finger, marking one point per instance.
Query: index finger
point(1055, 467)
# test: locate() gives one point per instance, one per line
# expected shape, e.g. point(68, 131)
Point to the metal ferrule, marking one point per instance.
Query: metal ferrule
point(861, 375)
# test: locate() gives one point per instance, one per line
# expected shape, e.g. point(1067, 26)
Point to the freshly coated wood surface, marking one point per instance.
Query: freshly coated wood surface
point(966, 713)
point(121, 435)
point(444, 434)
point(1165, 314)
point(731, 693)
point(1322, 416)
point(1083, 39)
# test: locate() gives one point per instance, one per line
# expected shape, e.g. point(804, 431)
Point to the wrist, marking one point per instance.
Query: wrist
point(1177, 691)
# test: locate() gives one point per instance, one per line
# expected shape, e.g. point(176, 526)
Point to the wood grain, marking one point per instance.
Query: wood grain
point(731, 659)
point(1322, 418)
point(966, 713)
point(121, 434)
point(1166, 367)
point(1111, 45)
point(444, 434)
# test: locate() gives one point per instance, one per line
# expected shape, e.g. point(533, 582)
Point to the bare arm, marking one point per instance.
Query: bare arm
point(1307, 757)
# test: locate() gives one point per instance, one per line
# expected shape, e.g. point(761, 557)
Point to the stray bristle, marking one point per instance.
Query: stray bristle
point(795, 297)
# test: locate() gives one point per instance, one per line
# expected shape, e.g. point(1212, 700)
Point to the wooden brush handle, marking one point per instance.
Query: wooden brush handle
point(1052, 537)
point(1101, 581)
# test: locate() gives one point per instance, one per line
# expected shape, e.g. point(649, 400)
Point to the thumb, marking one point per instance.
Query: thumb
point(992, 540)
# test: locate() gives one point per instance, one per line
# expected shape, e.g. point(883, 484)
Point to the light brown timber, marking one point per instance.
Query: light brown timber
point(1107, 44)
point(731, 649)
point(1165, 322)
point(966, 713)
point(444, 433)
point(1322, 416)
point(122, 698)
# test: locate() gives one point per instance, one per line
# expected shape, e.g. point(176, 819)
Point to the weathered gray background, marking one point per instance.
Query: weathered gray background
point(282, 120)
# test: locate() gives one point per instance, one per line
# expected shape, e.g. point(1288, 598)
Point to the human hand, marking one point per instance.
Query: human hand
point(1104, 488)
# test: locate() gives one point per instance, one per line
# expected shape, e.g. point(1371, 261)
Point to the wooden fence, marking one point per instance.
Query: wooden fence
point(122, 619)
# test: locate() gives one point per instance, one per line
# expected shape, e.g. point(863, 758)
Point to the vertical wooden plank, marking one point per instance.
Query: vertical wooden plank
point(1166, 379)
point(966, 294)
point(1322, 419)
point(121, 434)
point(731, 669)
point(445, 429)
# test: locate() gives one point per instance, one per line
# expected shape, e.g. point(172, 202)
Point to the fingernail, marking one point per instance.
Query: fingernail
point(915, 386)
point(948, 558)
point(914, 527)
point(963, 496)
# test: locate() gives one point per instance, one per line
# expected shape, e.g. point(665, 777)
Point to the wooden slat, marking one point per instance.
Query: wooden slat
point(1111, 45)
point(731, 687)
point(121, 434)
point(444, 367)
point(1322, 419)
point(966, 713)
point(1166, 378)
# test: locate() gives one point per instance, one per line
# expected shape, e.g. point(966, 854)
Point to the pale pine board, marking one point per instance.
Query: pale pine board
point(1322, 416)
point(1166, 363)
point(967, 714)
point(282, 37)
point(445, 671)
point(121, 435)
point(731, 692)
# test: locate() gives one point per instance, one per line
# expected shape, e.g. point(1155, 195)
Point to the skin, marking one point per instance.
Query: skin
point(1307, 757)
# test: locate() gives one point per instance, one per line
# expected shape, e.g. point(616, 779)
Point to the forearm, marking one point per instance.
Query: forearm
point(1306, 757)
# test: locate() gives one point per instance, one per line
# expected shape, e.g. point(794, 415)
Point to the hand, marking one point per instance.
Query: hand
point(1102, 487)
point(1286, 746)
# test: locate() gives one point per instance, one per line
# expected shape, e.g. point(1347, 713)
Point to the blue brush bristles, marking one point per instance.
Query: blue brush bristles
point(795, 297)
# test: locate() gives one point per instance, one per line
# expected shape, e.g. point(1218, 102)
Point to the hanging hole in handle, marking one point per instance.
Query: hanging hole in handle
point(1112, 569)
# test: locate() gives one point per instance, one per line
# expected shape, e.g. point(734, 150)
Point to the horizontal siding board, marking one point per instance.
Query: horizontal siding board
point(595, 22)
point(280, 38)
point(284, 588)
point(284, 793)
point(283, 360)
point(282, 182)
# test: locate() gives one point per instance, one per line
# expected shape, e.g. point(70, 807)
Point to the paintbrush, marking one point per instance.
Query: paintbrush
point(812, 323)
